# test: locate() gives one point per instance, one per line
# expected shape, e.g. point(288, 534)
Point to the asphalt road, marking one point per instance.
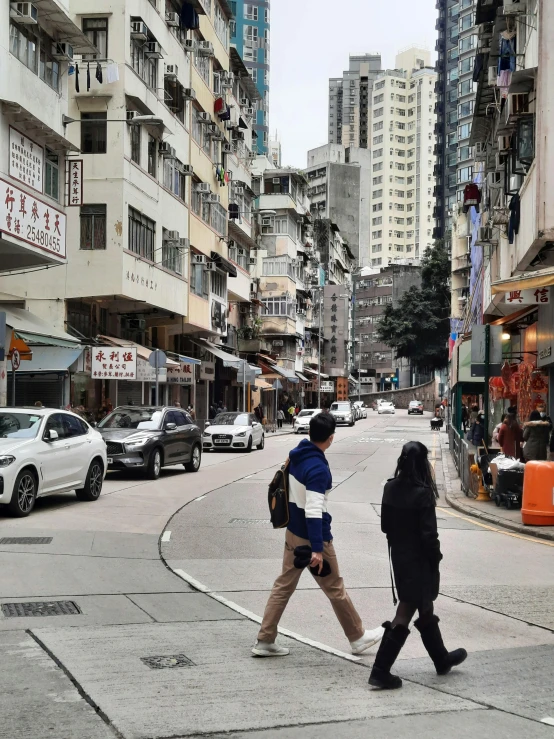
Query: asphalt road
point(148, 655)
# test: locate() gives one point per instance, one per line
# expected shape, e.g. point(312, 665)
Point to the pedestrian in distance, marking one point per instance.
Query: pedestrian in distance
point(309, 527)
point(38, 404)
point(292, 411)
point(409, 520)
point(465, 417)
point(280, 418)
point(212, 413)
point(536, 435)
point(510, 435)
point(476, 433)
point(498, 427)
point(191, 412)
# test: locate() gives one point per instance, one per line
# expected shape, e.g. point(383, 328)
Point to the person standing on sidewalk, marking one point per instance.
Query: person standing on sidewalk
point(309, 526)
point(409, 520)
point(510, 435)
point(280, 418)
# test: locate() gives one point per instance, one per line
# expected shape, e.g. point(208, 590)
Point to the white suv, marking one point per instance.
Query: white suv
point(43, 451)
point(343, 412)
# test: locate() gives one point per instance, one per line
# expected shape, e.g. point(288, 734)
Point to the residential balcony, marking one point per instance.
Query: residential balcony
point(254, 346)
point(278, 325)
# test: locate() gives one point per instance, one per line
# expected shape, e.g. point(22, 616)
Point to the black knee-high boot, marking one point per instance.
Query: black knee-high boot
point(431, 637)
point(389, 649)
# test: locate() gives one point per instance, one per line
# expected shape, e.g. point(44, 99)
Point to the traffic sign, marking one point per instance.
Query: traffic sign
point(16, 360)
point(157, 358)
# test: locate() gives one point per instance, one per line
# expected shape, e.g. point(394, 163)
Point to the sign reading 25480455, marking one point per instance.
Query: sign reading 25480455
point(29, 219)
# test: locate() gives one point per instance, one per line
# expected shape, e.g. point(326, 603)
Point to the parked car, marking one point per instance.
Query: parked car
point(386, 407)
point(238, 431)
point(361, 410)
point(415, 406)
point(147, 438)
point(45, 451)
point(302, 420)
point(343, 412)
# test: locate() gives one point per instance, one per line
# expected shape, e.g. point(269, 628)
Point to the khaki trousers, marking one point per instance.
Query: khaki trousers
point(332, 586)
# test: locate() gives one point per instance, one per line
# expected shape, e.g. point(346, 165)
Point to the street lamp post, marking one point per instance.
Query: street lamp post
point(319, 293)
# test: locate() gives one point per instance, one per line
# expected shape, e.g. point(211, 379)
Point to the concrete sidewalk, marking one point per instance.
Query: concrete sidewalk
point(484, 510)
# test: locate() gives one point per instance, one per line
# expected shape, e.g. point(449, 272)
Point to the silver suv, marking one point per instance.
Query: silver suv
point(343, 412)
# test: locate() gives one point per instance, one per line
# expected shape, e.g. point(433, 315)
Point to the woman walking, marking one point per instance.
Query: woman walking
point(510, 435)
point(536, 435)
point(409, 520)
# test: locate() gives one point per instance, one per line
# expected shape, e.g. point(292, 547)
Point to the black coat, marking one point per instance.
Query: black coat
point(409, 520)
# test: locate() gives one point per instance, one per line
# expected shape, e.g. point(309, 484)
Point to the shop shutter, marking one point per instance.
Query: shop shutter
point(46, 388)
point(129, 393)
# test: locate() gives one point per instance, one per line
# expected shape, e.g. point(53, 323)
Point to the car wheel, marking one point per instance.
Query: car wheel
point(249, 446)
point(93, 483)
point(262, 443)
point(351, 423)
point(195, 459)
point(154, 464)
point(24, 494)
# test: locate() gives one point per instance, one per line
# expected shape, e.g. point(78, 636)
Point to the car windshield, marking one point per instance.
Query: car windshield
point(305, 413)
point(340, 407)
point(19, 425)
point(414, 402)
point(133, 418)
point(231, 419)
point(387, 404)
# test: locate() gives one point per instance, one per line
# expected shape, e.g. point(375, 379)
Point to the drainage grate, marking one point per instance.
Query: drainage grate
point(249, 521)
point(163, 662)
point(50, 608)
point(26, 540)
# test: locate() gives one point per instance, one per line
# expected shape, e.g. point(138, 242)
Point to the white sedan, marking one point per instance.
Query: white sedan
point(45, 451)
point(238, 431)
point(385, 407)
point(302, 420)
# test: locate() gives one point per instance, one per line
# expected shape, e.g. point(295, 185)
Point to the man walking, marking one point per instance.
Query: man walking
point(309, 525)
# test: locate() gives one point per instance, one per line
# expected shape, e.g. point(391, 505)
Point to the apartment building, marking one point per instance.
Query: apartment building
point(340, 187)
point(250, 31)
point(402, 159)
point(350, 101)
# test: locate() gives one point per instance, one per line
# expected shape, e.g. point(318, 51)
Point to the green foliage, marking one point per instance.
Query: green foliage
point(418, 328)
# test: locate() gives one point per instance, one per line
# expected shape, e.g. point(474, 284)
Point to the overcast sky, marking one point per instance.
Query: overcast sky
point(311, 41)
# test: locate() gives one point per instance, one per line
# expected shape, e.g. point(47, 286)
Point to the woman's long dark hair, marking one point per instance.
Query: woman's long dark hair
point(414, 465)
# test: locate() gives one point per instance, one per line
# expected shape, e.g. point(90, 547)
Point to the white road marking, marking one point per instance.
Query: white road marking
point(257, 619)
point(166, 536)
point(547, 720)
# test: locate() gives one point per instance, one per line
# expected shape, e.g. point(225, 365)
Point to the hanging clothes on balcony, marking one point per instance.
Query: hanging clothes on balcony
point(507, 51)
point(225, 115)
point(219, 105)
point(513, 226)
point(478, 66)
point(189, 18)
point(98, 74)
point(472, 196)
point(234, 211)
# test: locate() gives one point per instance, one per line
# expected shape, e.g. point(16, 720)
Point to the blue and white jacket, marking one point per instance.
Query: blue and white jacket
point(310, 483)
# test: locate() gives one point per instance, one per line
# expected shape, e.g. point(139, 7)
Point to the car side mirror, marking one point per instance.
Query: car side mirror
point(51, 435)
point(170, 426)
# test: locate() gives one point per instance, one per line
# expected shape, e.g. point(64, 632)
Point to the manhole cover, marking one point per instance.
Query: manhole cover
point(172, 660)
point(249, 521)
point(50, 608)
point(26, 540)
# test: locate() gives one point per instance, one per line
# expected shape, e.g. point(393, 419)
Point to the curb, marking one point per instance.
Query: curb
point(519, 528)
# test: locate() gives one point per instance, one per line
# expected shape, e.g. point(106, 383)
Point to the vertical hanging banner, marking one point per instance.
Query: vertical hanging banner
point(74, 182)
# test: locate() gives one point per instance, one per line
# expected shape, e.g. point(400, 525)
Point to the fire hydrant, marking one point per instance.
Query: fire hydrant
point(482, 494)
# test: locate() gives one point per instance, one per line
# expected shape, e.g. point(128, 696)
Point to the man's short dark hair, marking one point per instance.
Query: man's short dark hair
point(322, 426)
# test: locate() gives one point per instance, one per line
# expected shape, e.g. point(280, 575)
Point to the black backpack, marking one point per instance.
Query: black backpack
point(278, 497)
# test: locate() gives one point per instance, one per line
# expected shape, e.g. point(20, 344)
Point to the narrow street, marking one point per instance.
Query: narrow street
point(93, 674)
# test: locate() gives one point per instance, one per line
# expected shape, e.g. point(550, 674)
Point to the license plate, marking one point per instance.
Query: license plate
point(110, 460)
point(221, 441)
point(340, 418)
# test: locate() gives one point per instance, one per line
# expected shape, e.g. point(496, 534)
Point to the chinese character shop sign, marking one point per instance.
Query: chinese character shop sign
point(536, 296)
point(31, 220)
point(183, 374)
point(114, 363)
point(75, 181)
point(26, 160)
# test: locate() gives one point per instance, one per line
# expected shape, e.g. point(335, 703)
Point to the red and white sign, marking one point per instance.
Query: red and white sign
point(16, 359)
point(74, 182)
point(538, 296)
point(114, 363)
point(31, 220)
point(182, 375)
point(26, 160)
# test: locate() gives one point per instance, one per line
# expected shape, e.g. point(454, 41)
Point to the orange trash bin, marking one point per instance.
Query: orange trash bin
point(537, 508)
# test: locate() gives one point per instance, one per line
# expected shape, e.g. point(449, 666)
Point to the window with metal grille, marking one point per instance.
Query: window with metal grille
point(142, 234)
point(93, 227)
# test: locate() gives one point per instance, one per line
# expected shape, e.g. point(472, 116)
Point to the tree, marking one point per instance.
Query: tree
point(418, 327)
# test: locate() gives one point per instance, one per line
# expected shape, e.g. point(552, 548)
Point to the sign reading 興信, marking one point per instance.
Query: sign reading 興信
point(114, 363)
point(538, 296)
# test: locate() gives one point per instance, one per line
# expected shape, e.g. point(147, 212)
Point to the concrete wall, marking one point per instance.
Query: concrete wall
point(344, 202)
point(427, 393)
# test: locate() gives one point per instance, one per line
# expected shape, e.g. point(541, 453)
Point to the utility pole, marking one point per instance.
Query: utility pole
point(320, 292)
point(487, 377)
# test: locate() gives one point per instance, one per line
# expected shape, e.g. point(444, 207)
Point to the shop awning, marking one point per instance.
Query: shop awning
point(51, 359)
point(229, 360)
point(313, 372)
point(525, 281)
point(34, 330)
point(302, 377)
point(286, 373)
point(263, 385)
point(54, 140)
point(142, 351)
point(224, 264)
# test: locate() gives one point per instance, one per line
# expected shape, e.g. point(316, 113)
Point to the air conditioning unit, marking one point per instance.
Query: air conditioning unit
point(238, 191)
point(249, 112)
point(171, 236)
point(211, 267)
point(24, 13)
point(139, 30)
point(206, 48)
point(189, 45)
point(511, 8)
point(226, 148)
point(244, 103)
point(276, 180)
point(152, 50)
point(300, 312)
point(202, 187)
point(480, 149)
point(62, 51)
point(172, 19)
point(494, 179)
point(500, 160)
point(171, 71)
point(253, 296)
point(485, 234)
point(189, 93)
point(253, 261)
point(187, 169)
point(241, 252)
point(213, 198)
point(184, 243)
point(492, 75)
point(203, 117)
point(504, 143)
point(198, 259)
point(266, 221)
point(518, 104)
point(167, 151)
point(131, 114)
